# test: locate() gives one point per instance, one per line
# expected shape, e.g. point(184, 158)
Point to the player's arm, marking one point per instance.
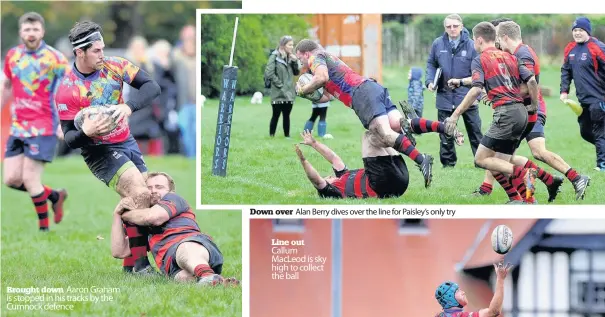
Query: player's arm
point(495, 306)
point(119, 241)
point(313, 176)
point(148, 91)
point(7, 86)
point(154, 216)
point(7, 91)
point(319, 68)
point(324, 150)
point(532, 84)
point(566, 76)
point(169, 207)
point(478, 80)
point(73, 137)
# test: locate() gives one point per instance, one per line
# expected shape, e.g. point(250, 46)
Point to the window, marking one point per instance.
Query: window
point(288, 225)
point(413, 227)
point(592, 295)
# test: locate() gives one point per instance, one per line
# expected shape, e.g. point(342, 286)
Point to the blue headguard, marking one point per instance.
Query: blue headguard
point(445, 295)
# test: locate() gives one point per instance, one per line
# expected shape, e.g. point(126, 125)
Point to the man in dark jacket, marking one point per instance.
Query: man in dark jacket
point(584, 63)
point(453, 53)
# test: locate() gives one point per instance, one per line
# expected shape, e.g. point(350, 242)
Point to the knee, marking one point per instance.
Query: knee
point(142, 198)
point(13, 180)
point(29, 178)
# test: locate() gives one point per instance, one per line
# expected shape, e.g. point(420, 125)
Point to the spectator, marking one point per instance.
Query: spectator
point(453, 53)
point(164, 76)
point(416, 90)
point(185, 84)
point(584, 63)
point(281, 69)
point(143, 123)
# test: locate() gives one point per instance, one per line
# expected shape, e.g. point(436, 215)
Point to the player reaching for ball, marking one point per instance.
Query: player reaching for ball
point(370, 101)
point(33, 71)
point(112, 155)
point(453, 299)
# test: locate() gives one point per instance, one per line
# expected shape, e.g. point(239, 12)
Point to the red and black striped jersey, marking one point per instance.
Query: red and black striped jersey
point(501, 75)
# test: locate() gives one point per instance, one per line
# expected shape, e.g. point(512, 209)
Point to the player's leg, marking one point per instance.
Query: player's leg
point(13, 164)
point(274, 118)
point(487, 186)
point(385, 168)
point(200, 257)
point(597, 116)
point(39, 151)
point(410, 123)
point(130, 182)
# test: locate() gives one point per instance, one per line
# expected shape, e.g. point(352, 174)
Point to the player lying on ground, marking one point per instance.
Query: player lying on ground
point(111, 154)
point(509, 39)
point(33, 70)
point(453, 299)
point(384, 174)
point(501, 75)
point(370, 101)
point(181, 251)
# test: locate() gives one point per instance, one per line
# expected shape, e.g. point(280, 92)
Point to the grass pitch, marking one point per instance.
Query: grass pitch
point(264, 170)
point(71, 255)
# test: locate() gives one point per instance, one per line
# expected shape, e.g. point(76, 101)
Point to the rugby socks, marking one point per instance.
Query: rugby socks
point(543, 175)
point(572, 175)
point(41, 207)
point(137, 241)
point(53, 195)
point(20, 188)
point(486, 188)
point(510, 190)
point(403, 145)
point(422, 125)
point(203, 270)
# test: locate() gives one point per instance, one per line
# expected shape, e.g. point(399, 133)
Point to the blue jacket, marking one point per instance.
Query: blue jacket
point(454, 64)
point(585, 64)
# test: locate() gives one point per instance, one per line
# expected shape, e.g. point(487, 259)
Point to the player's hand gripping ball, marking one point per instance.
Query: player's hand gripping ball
point(502, 239)
point(314, 96)
point(92, 113)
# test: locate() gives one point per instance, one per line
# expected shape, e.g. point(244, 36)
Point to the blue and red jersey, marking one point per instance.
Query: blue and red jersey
point(584, 63)
point(501, 75)
point(527, 56)
point(102, 88)
point(180, 226)
point(34, 77)
point(343, 80)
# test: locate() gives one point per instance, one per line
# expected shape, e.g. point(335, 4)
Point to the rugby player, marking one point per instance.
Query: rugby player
point(501, 75)
point(113, 156)
point(181, 251)
point(33, 71)
point(384, 174)
point(453, 299)
point(370, 101)
point(509, 39)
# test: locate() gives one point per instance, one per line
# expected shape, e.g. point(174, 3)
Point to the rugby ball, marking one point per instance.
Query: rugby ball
point(502, 239)
point(314, 96)
point(92, 113)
